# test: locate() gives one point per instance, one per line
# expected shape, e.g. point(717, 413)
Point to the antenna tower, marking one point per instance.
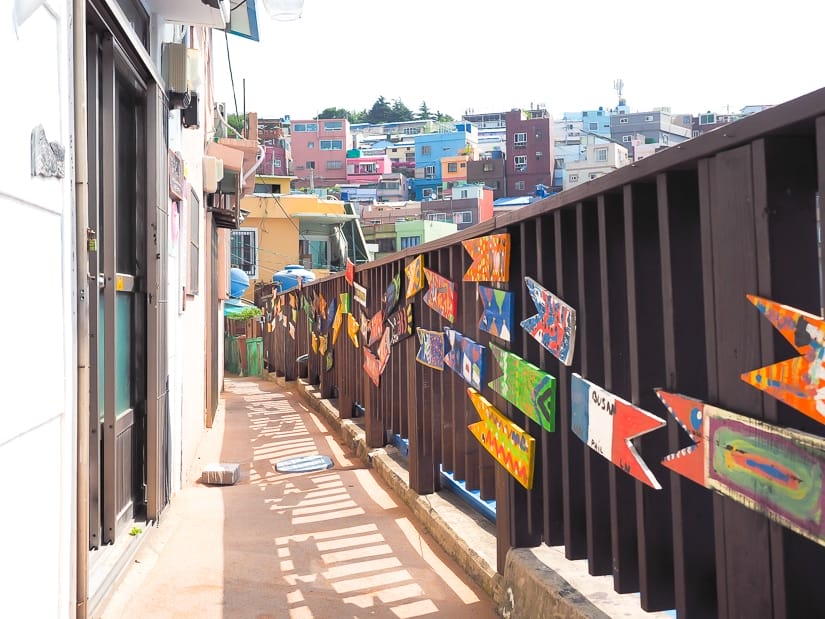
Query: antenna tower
point(618, 86)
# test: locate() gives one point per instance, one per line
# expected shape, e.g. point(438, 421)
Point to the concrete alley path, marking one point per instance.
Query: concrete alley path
point(329, 544)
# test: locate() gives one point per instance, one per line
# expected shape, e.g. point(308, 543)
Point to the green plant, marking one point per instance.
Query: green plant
point(246, 313)
point(135, 531)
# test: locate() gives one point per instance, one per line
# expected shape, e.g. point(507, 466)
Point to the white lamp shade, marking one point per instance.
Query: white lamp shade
point(284, 10)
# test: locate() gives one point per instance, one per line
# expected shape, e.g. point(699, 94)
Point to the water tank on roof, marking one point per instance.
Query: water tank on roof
point(287, 279)
point(238, 282)
point(497, 154)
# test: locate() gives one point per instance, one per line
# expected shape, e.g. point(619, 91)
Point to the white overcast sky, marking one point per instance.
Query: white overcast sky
point(692, 56)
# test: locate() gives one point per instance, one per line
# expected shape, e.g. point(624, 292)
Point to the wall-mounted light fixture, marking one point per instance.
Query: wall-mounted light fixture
point(284, 10)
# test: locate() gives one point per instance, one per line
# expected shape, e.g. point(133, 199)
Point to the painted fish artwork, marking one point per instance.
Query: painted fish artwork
point(352, 329)
point(332, 310)
point(376, 327)
point(465, 357)
point(384, 350)
point(372, 366)
point(307, 307)
point(340, 312)
point(414, 272)
point(607, 424)
point(554, 327)
point(328, 360)
point(292, 331)
point(526, 386)
point(400, 323)
point(509, 444)
point(778, 472)
point(800, 381)
point(497, 312)
point(314, 343)
point(441, 295)
point(349, 272)
point(359, 294)
point(491, 258)
point(323, 344)
point(392, 294)
point(431, 348)
point(365, 329)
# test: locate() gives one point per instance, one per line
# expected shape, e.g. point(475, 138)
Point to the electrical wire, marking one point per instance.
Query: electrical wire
point(231, 77)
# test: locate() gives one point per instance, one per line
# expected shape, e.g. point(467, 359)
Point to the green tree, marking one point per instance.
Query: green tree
point(381, 112)
point(443, 117)
point(424, 112)
point(237, 122)
point(334, 112)
point(400, 112)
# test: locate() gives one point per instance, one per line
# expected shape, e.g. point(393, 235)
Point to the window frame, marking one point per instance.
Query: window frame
point(239, 261)
point(520, 138)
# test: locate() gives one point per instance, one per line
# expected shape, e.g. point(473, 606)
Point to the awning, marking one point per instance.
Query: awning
point(324, 218)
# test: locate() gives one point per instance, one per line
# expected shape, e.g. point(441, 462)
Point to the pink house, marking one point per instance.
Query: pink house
point(319, 151)
point(368, 169)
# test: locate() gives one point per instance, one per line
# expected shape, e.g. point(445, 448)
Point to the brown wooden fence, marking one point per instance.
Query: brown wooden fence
point(657, 259)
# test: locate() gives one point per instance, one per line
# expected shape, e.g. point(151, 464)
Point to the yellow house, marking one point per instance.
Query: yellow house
point(281, 228)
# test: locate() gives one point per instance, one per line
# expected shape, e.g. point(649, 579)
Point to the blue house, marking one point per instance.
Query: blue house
point(431, 147)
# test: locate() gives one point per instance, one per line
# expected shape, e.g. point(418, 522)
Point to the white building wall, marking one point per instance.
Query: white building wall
point(186, 313)
point(37, 425)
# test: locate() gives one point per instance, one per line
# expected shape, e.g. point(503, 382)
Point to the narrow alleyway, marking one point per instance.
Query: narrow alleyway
point(327, 544)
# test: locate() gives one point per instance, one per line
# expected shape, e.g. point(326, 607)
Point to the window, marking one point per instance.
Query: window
point(194, 229)
point(412, 130)
point(707, 119)
point(335, 165)
point(316, 250)
point(334, 125)
point(649, 118)
point(487, 167)
point(310, 165)
point(410, 241)
point(520, 138)
point(429, 171)
point(463, 194)
point(244, 251)
point(427, 194)
point(437, 216)
point(304, 127)
point(332, 144)
point(627, 138)
point(310, 145)
point(386, 245)
point(277, 163)
point(538, 135)
point(520, 162)
point(594, 175)
point(426, 150)
point(601, 154)
point(593, 126)
point(463, 217)
point(696, 133)
point(452, 167)
point(375, 221)
point(519, 185)
point(624, 120)
point(267, 188)
point(559, 163)
point(573, 178)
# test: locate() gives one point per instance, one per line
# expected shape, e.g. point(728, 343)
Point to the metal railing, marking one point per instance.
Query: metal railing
point(657, 259)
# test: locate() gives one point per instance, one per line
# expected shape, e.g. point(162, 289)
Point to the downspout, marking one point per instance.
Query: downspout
point(81, 179)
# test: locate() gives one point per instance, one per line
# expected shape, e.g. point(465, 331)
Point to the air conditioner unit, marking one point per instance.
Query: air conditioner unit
point(212, 173)
point(174, 67)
